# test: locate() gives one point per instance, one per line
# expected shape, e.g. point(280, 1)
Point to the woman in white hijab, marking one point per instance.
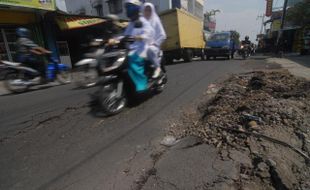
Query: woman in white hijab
point(159, 36)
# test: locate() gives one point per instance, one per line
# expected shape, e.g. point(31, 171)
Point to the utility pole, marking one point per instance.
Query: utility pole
point(282, 22)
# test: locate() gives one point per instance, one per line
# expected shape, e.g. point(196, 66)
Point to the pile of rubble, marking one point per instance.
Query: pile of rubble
point(266, 117)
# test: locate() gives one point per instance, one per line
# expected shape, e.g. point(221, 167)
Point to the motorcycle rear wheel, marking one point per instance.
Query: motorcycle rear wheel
point(8, 83)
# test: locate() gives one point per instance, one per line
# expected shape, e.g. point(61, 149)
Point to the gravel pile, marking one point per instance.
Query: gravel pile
point(266, 117)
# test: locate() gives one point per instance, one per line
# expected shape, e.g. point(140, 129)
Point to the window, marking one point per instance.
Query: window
point(115, 6)
point(219, 37)
point(99, 10)
point(8, 44)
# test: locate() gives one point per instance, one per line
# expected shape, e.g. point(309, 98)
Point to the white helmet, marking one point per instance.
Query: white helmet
point(136, 2)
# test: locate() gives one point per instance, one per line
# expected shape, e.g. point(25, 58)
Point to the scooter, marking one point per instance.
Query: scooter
point(87, 70)
point(19, 78)
point(116, 86)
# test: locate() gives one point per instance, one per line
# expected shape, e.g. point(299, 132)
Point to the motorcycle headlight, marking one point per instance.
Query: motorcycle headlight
point(242, 47)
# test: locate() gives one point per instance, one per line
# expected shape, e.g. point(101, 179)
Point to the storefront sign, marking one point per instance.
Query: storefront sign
point(276, 25)
point(269, 7)
point(36, 4)
point(67, 23)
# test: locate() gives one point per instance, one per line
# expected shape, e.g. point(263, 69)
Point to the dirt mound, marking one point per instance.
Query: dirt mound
point(264, 116)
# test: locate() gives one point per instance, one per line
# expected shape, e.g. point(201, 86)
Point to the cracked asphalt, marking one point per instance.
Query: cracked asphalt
point(53, 139)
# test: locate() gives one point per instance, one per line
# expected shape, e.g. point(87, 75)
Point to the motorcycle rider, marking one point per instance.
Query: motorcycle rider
point(140, 29)
point(159, 37)
point(28, 51)
point(247, 40)
point(247, 43)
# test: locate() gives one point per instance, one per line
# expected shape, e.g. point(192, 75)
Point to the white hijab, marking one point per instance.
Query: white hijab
point(160, 34)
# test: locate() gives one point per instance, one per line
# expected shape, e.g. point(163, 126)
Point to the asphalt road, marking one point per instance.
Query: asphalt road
point(53, 139)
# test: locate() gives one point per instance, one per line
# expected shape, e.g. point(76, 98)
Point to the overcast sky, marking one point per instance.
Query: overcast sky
point(240, 15)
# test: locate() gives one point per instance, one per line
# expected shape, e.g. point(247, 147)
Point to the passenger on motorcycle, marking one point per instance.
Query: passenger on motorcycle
point(28, 51)
point(140, 29)
point(159, 37)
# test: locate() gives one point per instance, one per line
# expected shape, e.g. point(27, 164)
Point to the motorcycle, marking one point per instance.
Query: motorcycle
point(244, 51)
point(19, 78)
point(87, 70)
point(116, 86)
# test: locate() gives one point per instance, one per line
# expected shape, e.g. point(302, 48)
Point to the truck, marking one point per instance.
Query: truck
point(222, 44)
point(185, 37)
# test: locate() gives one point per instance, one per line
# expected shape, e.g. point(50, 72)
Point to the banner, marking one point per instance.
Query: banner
point(36, 4)
point(74, 22)
point(269, 7)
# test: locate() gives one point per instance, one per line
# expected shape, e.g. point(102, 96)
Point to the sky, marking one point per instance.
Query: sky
point(239, 15)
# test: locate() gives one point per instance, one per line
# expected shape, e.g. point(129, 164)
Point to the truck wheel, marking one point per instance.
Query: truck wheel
point(203, 55)
point(188, 57)
point(168, 60)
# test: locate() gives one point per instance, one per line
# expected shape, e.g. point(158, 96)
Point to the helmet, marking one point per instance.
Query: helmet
point(132, 8)
point(23, 32)
point(136, 2)
point(247, 37)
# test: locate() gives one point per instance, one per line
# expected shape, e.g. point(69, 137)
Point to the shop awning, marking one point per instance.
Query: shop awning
point(74, 22)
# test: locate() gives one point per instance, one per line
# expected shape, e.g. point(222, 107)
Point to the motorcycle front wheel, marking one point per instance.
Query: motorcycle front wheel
point(85, 77)
point(109, 100)
point(14, 82)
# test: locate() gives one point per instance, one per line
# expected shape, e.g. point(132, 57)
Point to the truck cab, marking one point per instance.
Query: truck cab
point(220, 45)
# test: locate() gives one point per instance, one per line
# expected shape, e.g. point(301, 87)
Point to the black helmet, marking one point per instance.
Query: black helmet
point(247, 37)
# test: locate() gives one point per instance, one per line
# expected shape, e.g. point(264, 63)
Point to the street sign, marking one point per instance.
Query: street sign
point(74, 22)
point(36, 4)
point(269, 4)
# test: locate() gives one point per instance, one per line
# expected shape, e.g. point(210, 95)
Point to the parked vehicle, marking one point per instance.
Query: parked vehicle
point(116, 85)
point(19, 78)
point(221, 44)
point(185, 37)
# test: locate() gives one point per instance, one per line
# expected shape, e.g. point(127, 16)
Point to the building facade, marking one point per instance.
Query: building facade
point(37, 16)
point(106, 7)
point(15, 14)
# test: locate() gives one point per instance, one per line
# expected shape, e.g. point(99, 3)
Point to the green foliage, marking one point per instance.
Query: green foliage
point(235, 36)
point(300, 14)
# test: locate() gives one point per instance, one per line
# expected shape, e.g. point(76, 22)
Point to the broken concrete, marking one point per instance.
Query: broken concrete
point(259, 121)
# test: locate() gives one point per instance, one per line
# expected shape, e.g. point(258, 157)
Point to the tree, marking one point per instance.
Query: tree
point(300, 14)
point(235, 36)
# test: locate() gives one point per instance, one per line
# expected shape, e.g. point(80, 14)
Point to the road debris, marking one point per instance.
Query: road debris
point(169, 141)
point(264, 115)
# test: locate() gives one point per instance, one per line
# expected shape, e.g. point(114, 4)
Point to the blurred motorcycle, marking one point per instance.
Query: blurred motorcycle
point(19, 77)
point(88, 70)
point(117, 86)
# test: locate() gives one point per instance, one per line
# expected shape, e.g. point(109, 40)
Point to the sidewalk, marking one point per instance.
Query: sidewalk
point(297, 65)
